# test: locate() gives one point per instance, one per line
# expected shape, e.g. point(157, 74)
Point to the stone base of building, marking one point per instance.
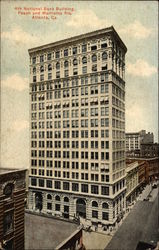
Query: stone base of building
point(94, 212)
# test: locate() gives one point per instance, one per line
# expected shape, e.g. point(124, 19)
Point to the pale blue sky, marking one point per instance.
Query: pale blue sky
point(137, 25)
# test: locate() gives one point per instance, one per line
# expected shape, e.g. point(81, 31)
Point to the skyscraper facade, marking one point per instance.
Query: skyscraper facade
point(77, 127)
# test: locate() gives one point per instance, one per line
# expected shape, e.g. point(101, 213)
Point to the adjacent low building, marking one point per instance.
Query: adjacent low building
point(148, 168)
point(132, 181)
point(53, 234)
point(12, 200)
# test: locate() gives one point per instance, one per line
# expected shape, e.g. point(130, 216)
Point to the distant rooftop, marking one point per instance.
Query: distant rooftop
point(43, 232)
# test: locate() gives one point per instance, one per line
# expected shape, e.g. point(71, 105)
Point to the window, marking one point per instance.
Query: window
point(104, 190)
point(104, 77)
point(8, 190)
point(66, 73)
point(94, 204)
point(49, 76)
point(84, 48)
point(84, 60)
point(104, 111)
point(66, 52)
point(104, 88)
point(66, 186)
point(104, 45)
point(49, 197)
point(94, 189)
point(94, 68)
point(94, 58)
point(94, 214)
point(105, 122)
point(104, 67)
point(57, 198)
point(105, 216)
point(57, 54)
point(49, 56)
point(57, 185)
point(75, 71)
point(33, 182)
point(104, 56)
point(75, 62)
point(57, 74)
point(57, 207)
point(41, 58)
point(84, 188)
point(41, 77)
point(49, 67)
point(49, 183)
point(42, 69)
point(8, 222)
point(94, 89)
point(49, 206)
point(66, 64)
point(34, 60)
point(66, 199)
point(74, 50)
point(105, 205)
point(75, 187)
point(41, 183)
point(84, 70)
point(94, 47)
point(57, 65)
point(34, 70)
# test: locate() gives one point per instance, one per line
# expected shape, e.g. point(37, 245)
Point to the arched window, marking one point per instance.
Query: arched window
point(104, 56)
point(84, 60)
point(34, 70)
point(57, 65)
point(94, 204)
point(8, 189)
point(49, 67)
point(94, 58)
point(105, 205)
point(75, 62)
point(57, 198)
point(49, 197)
point(66, 64)
point(42, 69)
point(66, 199)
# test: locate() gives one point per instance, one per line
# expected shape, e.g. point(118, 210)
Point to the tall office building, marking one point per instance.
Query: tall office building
point(77, 118)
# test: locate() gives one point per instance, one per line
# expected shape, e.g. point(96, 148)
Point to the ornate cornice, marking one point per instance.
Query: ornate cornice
point(79, 38)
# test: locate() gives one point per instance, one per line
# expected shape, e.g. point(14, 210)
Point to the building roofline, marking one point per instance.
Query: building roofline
point(4, 171)
point(76, 38)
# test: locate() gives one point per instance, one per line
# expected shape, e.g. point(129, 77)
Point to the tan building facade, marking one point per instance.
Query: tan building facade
point(132, 181)
point(77, 127)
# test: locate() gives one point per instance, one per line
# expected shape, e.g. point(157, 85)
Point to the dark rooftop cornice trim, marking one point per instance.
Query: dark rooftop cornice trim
point(80, 37)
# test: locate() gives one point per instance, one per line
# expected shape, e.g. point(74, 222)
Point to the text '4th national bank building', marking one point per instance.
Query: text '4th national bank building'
point(77, 127)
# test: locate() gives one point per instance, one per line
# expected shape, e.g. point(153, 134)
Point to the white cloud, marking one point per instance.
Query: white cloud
point(87, 18)
point(19, 36)
point(141, 68)
point(16, 82)
point(136, 30)
point(19, 125)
